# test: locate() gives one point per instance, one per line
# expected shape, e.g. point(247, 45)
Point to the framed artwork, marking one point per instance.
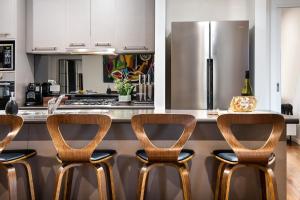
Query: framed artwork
point(128, 66)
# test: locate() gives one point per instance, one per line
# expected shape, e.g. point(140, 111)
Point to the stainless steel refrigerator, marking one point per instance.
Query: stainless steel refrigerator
point(208, 63)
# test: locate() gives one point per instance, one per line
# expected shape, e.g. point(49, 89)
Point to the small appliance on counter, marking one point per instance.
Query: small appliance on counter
point(33, 95)
point(50, 88)
point(6, 87)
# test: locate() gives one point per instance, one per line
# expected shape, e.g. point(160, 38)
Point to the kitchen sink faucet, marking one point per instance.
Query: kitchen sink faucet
point(54, 103)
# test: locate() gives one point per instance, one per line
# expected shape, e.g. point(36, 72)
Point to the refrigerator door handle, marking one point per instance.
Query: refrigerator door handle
point(210, 83)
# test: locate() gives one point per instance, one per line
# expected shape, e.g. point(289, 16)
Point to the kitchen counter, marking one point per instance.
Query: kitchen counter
point(163, 182)
point(118, 106)
point(125, 114)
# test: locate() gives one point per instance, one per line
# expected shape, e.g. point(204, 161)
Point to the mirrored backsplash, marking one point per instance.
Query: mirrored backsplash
point(91, 73)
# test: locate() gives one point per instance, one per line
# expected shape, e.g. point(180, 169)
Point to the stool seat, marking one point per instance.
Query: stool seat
point(185, 154)
point(13, 155)
point(230, 156)
point(99, 155)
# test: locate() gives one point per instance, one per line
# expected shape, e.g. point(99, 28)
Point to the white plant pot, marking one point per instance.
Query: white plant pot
point(124, 98)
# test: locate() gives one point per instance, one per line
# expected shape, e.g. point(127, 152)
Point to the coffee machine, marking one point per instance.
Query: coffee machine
point(33, 95)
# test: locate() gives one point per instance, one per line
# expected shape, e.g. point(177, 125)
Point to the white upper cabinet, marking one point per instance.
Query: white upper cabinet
point(46, 22)
point(78, 24)
point(135, 25)
point(59, 26)
point(103, 25)
point(8, 27)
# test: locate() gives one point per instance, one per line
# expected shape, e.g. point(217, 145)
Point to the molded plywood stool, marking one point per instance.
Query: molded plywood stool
point(70, 157)
point(240, 156)
point(10, 157)
point(153, 156)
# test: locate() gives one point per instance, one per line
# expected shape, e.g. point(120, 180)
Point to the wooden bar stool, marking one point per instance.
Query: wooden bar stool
point(241, 156)
point(152, 155)
point(10, 157)
point(70, 157)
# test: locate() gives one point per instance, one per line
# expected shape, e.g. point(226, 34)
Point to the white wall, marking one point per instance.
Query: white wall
point(290, 65)
point(205, 10)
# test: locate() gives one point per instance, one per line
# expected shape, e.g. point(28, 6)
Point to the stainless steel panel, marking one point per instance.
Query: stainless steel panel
point(189, 51)
point(230, 53)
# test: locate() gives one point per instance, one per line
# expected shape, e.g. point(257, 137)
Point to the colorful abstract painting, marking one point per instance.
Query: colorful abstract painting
point(128, 66)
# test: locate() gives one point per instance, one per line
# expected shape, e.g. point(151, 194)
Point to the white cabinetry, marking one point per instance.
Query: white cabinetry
point(8, 20)
point(135, 25)
point(103, 23)
point(69, 25)
point(78, 23)
point(45, 25)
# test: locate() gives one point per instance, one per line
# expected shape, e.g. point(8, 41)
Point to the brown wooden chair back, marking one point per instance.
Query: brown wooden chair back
point(67, 153)
point(155, 153)
point(15, 123)
point(245, 155)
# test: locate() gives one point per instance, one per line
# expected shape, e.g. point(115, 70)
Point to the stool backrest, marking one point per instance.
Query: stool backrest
point(15, 123)
point(246, 155)
point(67, 153)
point(155, 153)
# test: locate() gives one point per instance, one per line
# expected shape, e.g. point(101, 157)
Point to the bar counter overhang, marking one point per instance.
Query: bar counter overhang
point(162, 184)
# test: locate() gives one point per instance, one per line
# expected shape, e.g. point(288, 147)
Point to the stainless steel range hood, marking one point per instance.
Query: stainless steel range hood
point(86, 51)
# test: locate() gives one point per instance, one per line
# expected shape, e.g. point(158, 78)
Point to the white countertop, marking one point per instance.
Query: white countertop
point(124, 115)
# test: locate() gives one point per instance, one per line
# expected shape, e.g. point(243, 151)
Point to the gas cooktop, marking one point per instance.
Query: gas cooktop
point(108, 102)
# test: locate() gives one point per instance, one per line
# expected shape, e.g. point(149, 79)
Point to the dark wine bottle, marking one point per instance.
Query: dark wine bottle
point(247, 90)
point(12, 106)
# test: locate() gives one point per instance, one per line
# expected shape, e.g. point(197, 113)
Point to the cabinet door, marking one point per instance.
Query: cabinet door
point(78, 24)
point(48, 26)
point(135, 25)
point(103, 23)
point(8, 13)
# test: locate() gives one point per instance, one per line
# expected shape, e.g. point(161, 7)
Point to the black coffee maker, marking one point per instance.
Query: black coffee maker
point(33, 95)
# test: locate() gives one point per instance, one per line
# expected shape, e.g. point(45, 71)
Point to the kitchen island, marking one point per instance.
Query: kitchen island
point(163, 183)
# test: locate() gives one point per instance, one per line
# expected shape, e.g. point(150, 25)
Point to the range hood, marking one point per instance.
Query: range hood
point(86, 51)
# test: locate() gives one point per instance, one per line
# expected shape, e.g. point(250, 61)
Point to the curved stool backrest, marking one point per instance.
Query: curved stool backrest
point(67, 153)
point(15, 123)
point(163, 154)
point(246, 155)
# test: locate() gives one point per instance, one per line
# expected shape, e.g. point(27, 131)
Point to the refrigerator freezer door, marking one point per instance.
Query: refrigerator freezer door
point(189, 52)
point(230, 54)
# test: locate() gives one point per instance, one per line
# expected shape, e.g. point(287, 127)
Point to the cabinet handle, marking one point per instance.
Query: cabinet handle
point(4, 34)
point(103, 44)
point(77, 45)
point(44, 49)
point(137, 48)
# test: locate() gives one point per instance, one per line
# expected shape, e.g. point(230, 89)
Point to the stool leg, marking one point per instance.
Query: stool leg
point(29, 177)
point(144, 172)
point(185, 181)
point(12, 182)
point(101, 187)
point(111, 180)
point(58, 181)
point(68, 183)
point(225, 188)
point(271, 185)
point(222, 165)
point(263, 180)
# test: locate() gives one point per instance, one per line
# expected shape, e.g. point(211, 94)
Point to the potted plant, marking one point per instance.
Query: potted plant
point(124, 88)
